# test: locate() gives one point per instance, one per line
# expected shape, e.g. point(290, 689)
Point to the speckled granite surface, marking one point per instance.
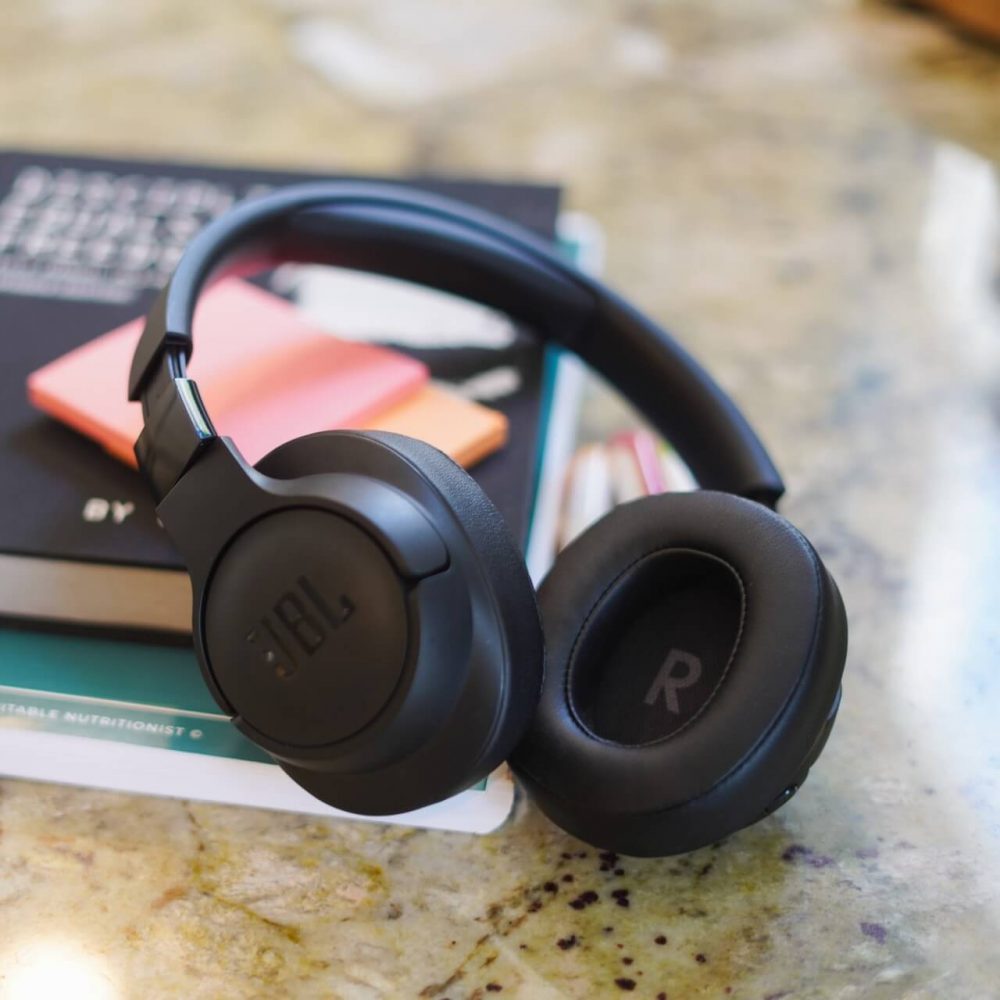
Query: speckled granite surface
point(805, 192)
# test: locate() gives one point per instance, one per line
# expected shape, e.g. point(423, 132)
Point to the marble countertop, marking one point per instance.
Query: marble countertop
point(808, 194)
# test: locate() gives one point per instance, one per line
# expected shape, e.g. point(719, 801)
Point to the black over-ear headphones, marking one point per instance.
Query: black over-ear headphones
point(362, 612)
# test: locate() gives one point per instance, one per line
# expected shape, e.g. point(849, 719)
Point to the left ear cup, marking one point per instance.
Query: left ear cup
point(488, 637)
point(695, 645)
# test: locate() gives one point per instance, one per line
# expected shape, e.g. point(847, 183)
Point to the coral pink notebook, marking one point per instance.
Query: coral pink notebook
point(265, 374)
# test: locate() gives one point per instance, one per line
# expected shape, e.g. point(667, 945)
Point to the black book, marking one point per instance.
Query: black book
point(85, 244)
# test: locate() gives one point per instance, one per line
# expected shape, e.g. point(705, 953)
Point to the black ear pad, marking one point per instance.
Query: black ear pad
point(695, 645)
point(492, 698)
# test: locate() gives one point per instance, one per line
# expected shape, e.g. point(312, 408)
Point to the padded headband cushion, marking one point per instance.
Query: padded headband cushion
point(695, 644)
point(444, 244)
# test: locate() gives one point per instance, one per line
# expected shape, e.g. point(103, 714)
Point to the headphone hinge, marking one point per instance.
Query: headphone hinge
point(175, 433)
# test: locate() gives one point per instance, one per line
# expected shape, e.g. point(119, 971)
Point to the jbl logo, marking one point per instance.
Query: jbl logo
point(299, 622)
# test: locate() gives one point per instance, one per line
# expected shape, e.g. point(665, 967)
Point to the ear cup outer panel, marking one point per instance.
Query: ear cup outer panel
point(494, 696)
point(695, 645)
point(315, 598)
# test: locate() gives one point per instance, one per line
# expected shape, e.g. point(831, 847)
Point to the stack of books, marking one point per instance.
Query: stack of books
point(98, 682)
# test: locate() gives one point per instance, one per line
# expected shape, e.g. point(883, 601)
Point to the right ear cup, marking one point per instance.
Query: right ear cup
point(487, 640)
point(695, 645)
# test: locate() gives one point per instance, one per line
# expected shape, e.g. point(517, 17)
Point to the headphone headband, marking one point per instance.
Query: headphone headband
point(449, 246)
